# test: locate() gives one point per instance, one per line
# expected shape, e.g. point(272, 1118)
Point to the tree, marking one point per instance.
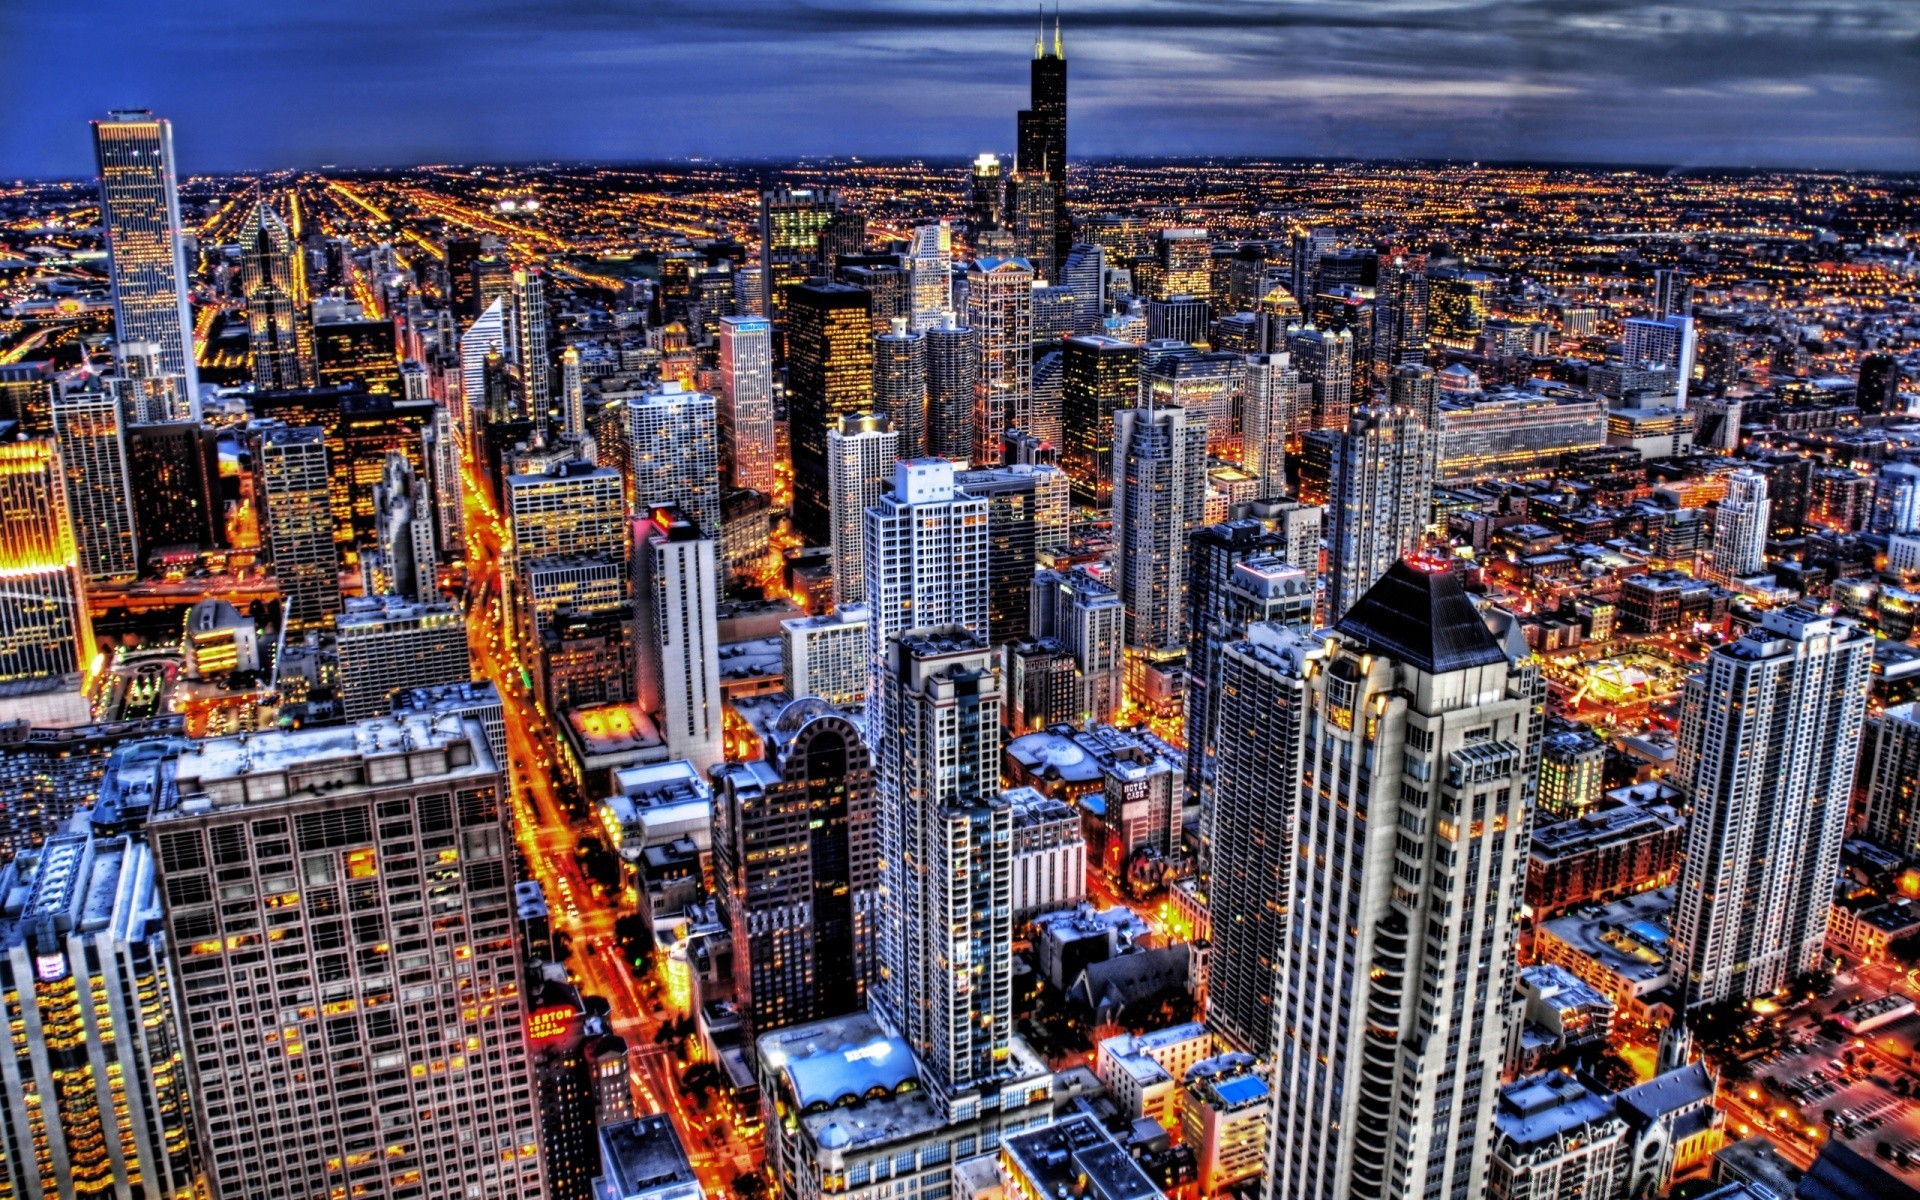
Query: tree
point(1612, 1072)
point(750, 1185)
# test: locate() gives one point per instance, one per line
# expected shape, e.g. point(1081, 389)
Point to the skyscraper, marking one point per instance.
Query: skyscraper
point(797, 863)
point(1041, 131)
point(1740, 525)
point(746, 402)
point(792, 221)
point(1769, 735)
point(1665, 342)
point(1381, 500)
point(1419, 735)
point(576, 508)
point(146, 246)
point(292, 469)
point(334, 845)
point(930, 268)
point(861, 451)
point(1026, 520)
point(986, 200)
point(1031, 209)
point(1000, 311)
point(46, 638)
point(829, 374)
point(1086, 617)
point(953, 370)
point(1270, 407)
point(97, 1092)
point(388, 644)
point(402, 560)
point(677, 633)
point(1877, 389)
point(1672, 294)
point(1185, 261)
point(1400, 315)
point(946, 843)
point(90, 426)
point(274, 284)
point(530, 320)
point(900, 385)
point(1324, 358)
point(926, 562)
point(675, 454)
point(1099, 376)
point(1159, 499)
point(573, 397)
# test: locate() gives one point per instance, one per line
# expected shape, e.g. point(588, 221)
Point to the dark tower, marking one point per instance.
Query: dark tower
point(1042, 140)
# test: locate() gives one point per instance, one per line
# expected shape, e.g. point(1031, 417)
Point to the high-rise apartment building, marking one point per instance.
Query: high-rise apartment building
point(1418, 729)
point(1099, 376)
point(829, 374)
point(674, 453)
point(388, 644)
point(953, 371)
point(382, 1046)
point(1000, 312)
point(1159, 499)
point(89, 424)
point(573, 395)
point(792, 222)
point(1400, 315)
point(46, 636)
point(1381, 500)
point(1085, 616)
point(1324, 358)
point(146, 244)
point(797, 864)
point(1741, 522)
point(900, 385)
point(861, 451)
point(530, 321)
point(946, 846)
point(1026, 521)
point(926, 563)
point(746, 402)
point(273, 279)
point(1890, 773)
point(291, 466)
point(676, 632)
point(1769, 735)
point(1664, 342)
point(826, 656)
point(95, 1088)
point(930, 268)
point(1271, 408)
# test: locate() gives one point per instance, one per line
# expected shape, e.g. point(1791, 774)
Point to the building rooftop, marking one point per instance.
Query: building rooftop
point(1422, 617)
point(1602, 827)
point(1076, 1157)
point(614, 728)
point(644, 1157)
point(1540, 1108)
point(1628, 938)
point(316, 758)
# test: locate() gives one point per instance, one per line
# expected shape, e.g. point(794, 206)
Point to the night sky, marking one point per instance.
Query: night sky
point(276, 83)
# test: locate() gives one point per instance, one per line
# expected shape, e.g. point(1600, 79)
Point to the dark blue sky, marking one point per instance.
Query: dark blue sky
point(270, 83)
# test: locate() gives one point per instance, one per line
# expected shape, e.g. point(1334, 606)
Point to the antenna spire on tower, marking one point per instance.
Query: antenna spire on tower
point(1059, 49)
point(1040, 33)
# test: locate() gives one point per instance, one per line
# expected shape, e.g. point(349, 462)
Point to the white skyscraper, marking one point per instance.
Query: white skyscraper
point(1268, 415)
point(1666, 341)
point(1419, 734)
point(900, 385)
point(487, 335)
point(677, 633)
point(930, 267)
point(573, 397)
point(89, 423)
point(1159, 499)
point(926, 562)
point(1769, 735)
point(1740, 526)
point(675, 454)
point(146, 246)
point(530, 320)
point(746, 401)
point(1379, 502)
point(861, 451)
point(1000, 312)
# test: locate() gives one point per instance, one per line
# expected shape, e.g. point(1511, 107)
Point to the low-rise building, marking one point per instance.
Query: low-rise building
point(1621, 951)
point(1558, 1011)
point(1605, 854)
point(1553, 1137)
point(1143, 1072)
point(1224, 1109)
point(1863, 927)
point(1074, 1157)
point(643, 1159)
point(1049, 854)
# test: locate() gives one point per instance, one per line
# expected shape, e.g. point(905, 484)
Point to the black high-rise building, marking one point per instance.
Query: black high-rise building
point(1042, 134)
point(175, 471)
point(1879, 386)
point(829, 374)
point(461, 253)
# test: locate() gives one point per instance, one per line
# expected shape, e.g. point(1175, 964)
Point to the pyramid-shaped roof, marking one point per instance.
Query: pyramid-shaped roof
point(1422, 616)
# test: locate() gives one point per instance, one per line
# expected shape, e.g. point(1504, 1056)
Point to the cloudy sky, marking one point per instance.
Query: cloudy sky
point(271, 83)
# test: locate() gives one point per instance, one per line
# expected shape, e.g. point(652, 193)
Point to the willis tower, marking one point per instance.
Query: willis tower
point(1042, 148)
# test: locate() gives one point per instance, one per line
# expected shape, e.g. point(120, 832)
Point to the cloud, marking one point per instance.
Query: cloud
point(283, 82)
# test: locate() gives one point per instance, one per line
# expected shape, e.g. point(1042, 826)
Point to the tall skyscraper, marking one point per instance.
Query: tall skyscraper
point(674, 454)
point(746, 402)
point(1400, 315)
point(1890, 773)
point(1740, 525)
point(930, 268)
point(1769, 735)
point(861, 451)
point(1041, 131)
point(573, 395)
point(953, 371)
point(926, 563)
point(333, 844)
point(530, 320)
point(677, 633)
point(90, 425)
point(402, 560)
point(1324, 358)
point(1672, 294)
point(1026, 520)
point(1419, 731)
point(946, 844)
point(1031, 208)
point(1309, 246)
point(576, 508)
point(1185, 262)
point(792, 221)
point(274, 283)
point(1000, 311)
point(1086, 617)
point(46, 637)
point(1270, 407)
point(292, 470)
point(1159, 499)
point(986, 200)
point(900, 385)
point(483, 340)
point(829, 374)
point(1381, 499)
point(1099, 376)
point(96, 1090)
point(146, 245)
point(1665, 342)
point(797, 863)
